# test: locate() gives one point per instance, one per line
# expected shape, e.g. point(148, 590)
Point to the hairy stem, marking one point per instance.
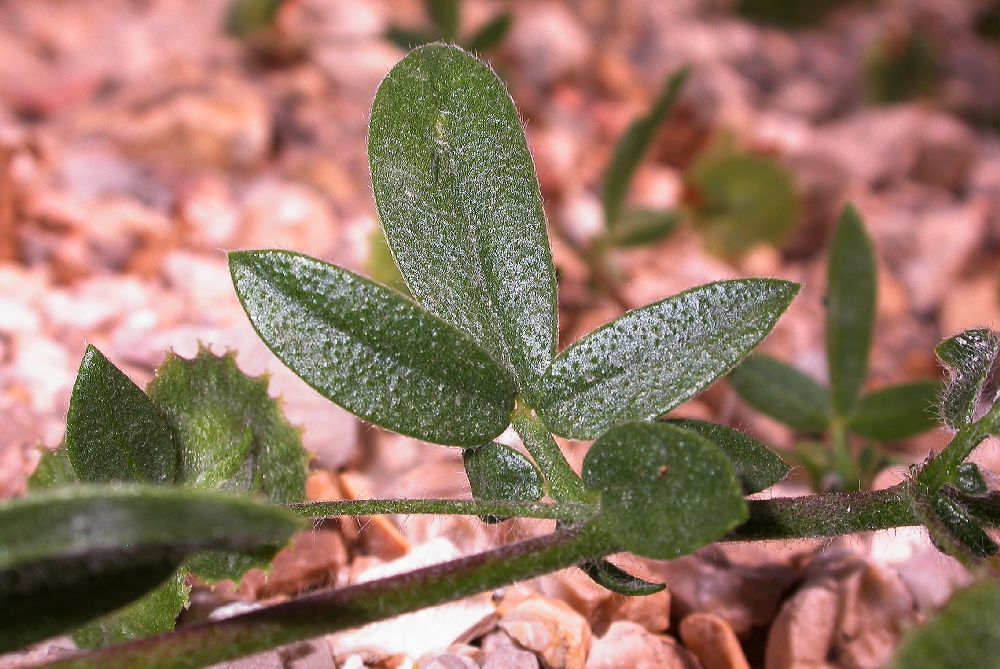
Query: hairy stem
point(563, 483)
point(376, 507)
point(944, 467)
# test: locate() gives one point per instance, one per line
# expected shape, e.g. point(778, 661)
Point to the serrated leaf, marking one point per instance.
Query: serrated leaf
point(965, 635)
point(633, 145)
point(969, 356)
point(71, 554)
point(850, 309)
point(650, 360)
point(53, 470)
point(231, 436)
point(113, 431)
point(617, 580)
point(457, 195)
point(757, 467)
point(156, 612)
point(741, 200)
point(896, 412)
point(498, 472)
point(665, 492)
point(491, 34)
point(372, 351)
point(641, 226)
point(783, 393)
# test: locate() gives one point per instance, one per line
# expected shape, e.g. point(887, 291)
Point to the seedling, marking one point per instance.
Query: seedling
point(835, 412)
point(445, 18)
point(475, 353)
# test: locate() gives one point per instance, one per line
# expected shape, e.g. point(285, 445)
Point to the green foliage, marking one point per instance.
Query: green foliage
point(796, 400)
point(618, 580)
point(498, 472)
point(756, 466)
point(445, 18)
point(969, 357)
point(665, 492)
point(740, 200)
point(73, 553)
point(53, 470)
point(459, 201)
point(965, 635)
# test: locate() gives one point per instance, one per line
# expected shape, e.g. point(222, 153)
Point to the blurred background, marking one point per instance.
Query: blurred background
point(141, 139)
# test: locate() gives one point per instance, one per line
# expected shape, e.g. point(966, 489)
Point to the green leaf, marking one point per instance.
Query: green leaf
point(965, 635)
point(113, 431)
point(53, 470)
point(457, 195)
point(896, 412)
point(741, 200)
point(850, 309)
point(231, 437)
point(640, 227)
point(156, 612)
point(969, 480)
point(491, 34)
point(665, 492)
point(372, 351)
point(953, 529)
point(406, 38)
point(444, 14)
point(498, 472)
point(71, 554)
point(757, 467)
point(633, 145)
point(783, 393)
point(652, 359)
point(618, 580)
point(969, 357)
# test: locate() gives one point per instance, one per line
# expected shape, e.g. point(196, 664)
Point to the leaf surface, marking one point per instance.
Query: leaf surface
point(498, 472)
point(970, 357)
point(458, 198)
point(71, 554)
point(650, 360)
point(113, 431)
point(783, 393)
point(665, 492)
point(850, 310)
point(617, 580)
point(897, 412)
point(757, 467)
point(372, 351)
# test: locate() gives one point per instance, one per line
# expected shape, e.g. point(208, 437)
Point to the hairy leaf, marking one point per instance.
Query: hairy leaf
point(53, 470)
point(757, 467)
point(969, 356)
point(113, 431)
point(372, 351)
point(458, 198)
point(156, 612)
point(618, 580)
point(850, 309)
point(491, 34)
point(965, 635)
point(783, 393)
point(652, 359)
point(953, 529)
point(969, 480)
point(896, 412)
point(71, 554)
point(665, 492)
point(231, 436)
point(498, 472)
point(633, 145)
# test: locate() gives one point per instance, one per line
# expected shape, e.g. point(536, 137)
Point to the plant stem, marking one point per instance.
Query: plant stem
point(943, 468)
point(451, 507)
point(331, 611)
point(562, 482)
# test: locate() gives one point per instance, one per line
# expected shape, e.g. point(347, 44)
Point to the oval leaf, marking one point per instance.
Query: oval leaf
point(458, 198)
point(965, 635)
point(617, 580)
point(850, 309)
point(757, 467)
point(372, 351)
point(969, 357)
point(652, 359)
point(665, 492)
point(113, 431)
point(896, 412)
point(498, 472)
point(73, 553)
point(783, 393)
